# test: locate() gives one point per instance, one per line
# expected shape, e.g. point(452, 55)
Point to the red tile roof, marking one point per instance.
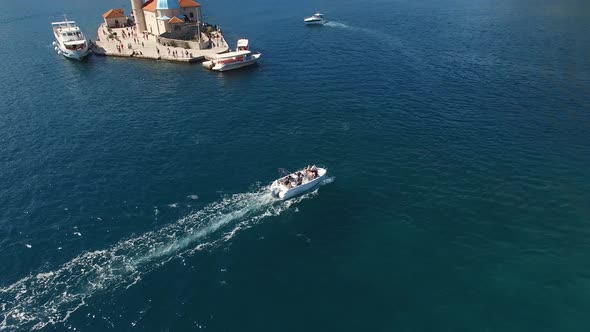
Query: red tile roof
point(175, 20)
point(188, 3)
point(114, 13)
point(150, 5)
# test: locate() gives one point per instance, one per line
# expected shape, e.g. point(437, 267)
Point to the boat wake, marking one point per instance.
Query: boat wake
point(384, 38)
point(333, 24)
point(48, 298)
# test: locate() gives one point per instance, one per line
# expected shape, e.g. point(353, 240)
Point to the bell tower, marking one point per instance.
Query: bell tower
point(137, 9)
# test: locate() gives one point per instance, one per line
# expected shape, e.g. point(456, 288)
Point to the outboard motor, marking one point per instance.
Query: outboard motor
point(275, 192)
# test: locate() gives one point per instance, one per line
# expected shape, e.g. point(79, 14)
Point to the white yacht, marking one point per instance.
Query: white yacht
point(316, 19)
point(69, 40)
point(297, 183)
point(233, 60)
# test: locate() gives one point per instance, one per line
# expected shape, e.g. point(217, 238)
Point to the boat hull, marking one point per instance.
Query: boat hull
point(75, 55)
point(231, 66)
point(78, 54)
point(314, 22)
point(281, 192)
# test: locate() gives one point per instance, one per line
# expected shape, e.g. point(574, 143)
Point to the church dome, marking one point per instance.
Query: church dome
point(168, 4)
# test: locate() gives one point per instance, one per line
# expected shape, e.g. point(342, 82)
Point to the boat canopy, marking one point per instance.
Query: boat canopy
point(75, 42)
point(63, 23)
point(243, 43)
point(232, 54)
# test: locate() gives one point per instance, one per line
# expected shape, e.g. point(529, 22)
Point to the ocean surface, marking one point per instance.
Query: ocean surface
point(456, 133)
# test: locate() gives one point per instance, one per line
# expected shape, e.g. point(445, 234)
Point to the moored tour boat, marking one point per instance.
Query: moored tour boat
point(233, 60)
point(297, 183)
point(69, 40)
point(316, 19)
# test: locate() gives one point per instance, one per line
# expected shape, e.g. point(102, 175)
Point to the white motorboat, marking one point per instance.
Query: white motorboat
point(233, 60)
point(316, 19)
point(297, 183)
point(69, 40)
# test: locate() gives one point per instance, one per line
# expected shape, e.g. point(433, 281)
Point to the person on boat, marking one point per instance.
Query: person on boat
point(314, 172)
point(287, 182)
point(294, 179)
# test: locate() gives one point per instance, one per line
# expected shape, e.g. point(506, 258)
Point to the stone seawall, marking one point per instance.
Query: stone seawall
point(125, 42)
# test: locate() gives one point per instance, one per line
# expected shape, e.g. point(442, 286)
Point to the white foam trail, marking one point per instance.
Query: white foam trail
point(386, 39)
point(328, 180)
point(339, 25)
point(48, 298)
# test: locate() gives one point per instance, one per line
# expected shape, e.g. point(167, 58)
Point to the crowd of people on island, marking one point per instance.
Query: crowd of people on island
point(130, 32)
point(294, 180)
point(176, 54)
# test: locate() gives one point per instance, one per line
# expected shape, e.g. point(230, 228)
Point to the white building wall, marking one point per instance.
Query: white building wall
point(164, 26)
point(151, 22)
point(112, 22)
point(157, 27)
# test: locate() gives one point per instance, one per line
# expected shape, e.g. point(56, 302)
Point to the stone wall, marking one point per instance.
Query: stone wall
point(193, 44)
point(187, 33)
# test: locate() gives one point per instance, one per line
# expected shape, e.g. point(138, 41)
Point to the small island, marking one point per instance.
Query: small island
point(161, 30)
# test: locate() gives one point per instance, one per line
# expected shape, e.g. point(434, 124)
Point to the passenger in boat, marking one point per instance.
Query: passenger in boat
point(313, 172)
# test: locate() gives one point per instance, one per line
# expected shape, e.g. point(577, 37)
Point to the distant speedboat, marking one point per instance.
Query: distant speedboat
point(297, 183)
point(69, 40)
point(316, 19)
point(233, 60)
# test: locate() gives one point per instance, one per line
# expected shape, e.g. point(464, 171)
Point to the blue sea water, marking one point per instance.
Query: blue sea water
point(456, 135)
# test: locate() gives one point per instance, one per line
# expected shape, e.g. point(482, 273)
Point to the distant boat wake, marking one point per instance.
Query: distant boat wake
point(384, 38)
point(48, 298)
point(333, 24)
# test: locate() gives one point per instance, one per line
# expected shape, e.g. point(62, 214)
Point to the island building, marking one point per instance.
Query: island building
point(177, 25)
point(115, 18)
point(165, 16)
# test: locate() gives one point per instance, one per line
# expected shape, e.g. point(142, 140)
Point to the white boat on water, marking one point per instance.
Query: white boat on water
point(233, 60)
point(316, 19)
point(69, 40)
point(297, 183)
